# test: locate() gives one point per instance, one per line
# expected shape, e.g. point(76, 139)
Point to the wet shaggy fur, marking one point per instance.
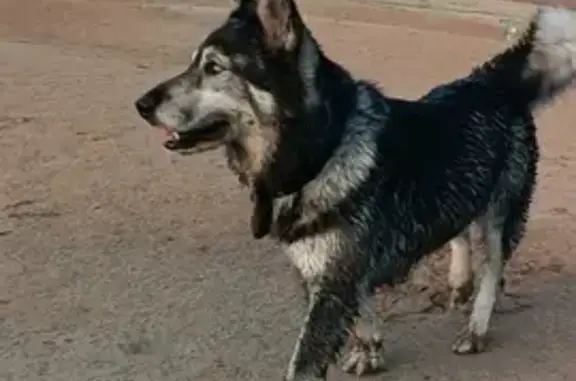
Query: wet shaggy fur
point(358, 186)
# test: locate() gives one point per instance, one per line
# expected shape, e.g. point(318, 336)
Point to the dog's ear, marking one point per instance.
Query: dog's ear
point(277, 18)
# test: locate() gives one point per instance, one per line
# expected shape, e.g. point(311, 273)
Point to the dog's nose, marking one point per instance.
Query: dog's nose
point(146, 106)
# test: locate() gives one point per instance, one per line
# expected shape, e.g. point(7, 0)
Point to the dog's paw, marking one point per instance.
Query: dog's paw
point(468, 343)
point(365, 356)
point(297, 217)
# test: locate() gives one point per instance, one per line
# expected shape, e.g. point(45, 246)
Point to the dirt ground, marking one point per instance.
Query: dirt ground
point(119, 262)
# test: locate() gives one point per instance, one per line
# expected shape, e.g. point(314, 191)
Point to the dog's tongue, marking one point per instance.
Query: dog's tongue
point(173, 137)
point(170, 133)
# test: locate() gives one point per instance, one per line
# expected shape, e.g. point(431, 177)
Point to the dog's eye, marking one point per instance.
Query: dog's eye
point(212, 68)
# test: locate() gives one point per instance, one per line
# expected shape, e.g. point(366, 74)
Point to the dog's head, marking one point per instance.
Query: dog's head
point(236, 83)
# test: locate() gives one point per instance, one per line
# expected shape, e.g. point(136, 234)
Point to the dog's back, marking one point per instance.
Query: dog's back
point(469, 147)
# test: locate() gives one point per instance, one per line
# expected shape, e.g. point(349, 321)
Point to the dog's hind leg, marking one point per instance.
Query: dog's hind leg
point(513, 232)
point(502, 231)
point(366, 352)
point(460, 276)
point(472, 339)
point(515, 223)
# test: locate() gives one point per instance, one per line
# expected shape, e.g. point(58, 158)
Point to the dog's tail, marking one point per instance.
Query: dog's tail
point(542, 63)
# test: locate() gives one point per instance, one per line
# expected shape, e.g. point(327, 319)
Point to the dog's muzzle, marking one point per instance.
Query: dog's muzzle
point(210, 129)
point(146, 106)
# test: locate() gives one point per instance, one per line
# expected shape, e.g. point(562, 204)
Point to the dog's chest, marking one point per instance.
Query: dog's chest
point(311, 255)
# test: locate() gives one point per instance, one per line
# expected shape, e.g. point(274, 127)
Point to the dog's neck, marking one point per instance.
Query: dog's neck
point(310, 124)
point(310, 134)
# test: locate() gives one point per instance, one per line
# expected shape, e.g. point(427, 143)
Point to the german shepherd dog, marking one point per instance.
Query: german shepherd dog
point(359, 186)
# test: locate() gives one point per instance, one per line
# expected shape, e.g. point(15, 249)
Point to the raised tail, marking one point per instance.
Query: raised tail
point(542, 63)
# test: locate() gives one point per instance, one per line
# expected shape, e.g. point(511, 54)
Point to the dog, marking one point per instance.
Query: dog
point(358, 186)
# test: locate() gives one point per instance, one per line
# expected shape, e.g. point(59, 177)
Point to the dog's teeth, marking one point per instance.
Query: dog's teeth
point(175, 135)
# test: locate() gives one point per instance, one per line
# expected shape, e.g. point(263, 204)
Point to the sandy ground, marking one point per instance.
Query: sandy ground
point(118, 262)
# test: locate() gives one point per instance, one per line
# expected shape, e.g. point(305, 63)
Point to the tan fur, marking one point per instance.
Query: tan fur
point(248, 156)
point(249, 153)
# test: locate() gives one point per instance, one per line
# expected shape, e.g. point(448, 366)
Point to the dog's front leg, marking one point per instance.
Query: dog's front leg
point(348, 168)
point(366, 353)
point(294, 219)
point(333, 306)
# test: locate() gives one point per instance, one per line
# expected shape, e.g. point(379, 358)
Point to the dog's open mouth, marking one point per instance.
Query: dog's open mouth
point(210, 133)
